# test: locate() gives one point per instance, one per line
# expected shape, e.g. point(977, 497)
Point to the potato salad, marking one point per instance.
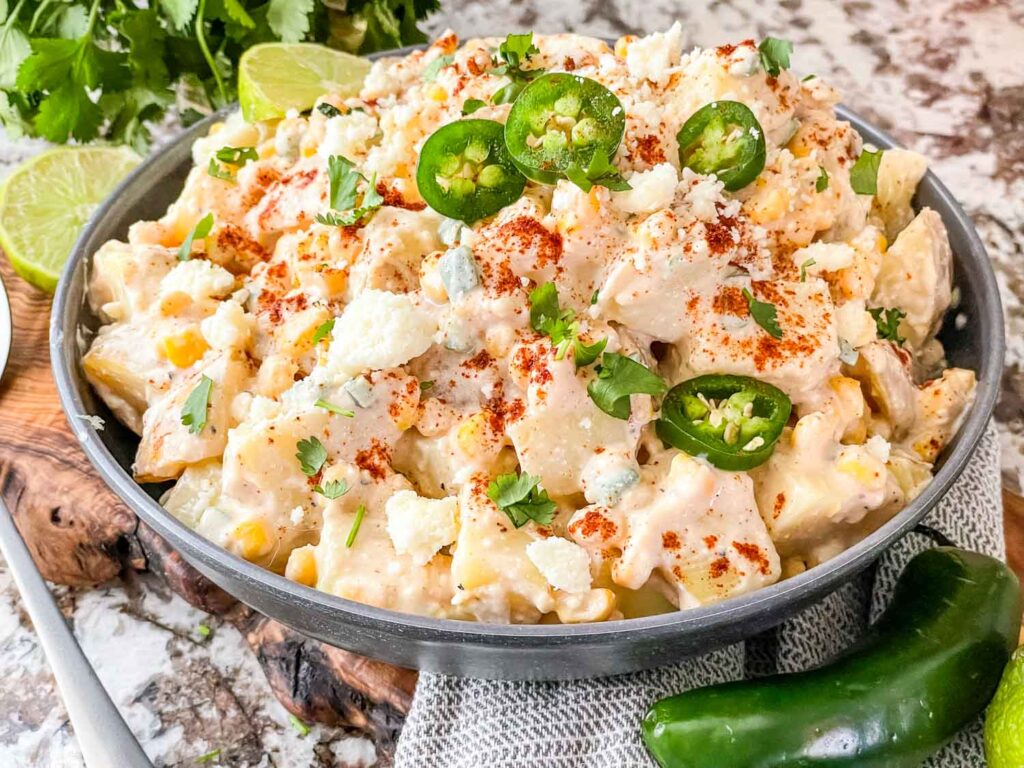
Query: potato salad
point(538, 329)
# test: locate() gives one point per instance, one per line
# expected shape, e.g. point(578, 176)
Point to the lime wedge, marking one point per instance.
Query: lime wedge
point(276, 77)
point(45, 202)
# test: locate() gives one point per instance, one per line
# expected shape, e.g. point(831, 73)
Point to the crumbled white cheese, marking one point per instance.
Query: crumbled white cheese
point(651, 190)
point(652, 57)
point(419, 527)
point(227, 328)
point(564, 564)
point(197, 279)
point(377, 330)
point(878, 447)
point(855, 324)
point(348, 135)
point(703, 195)
point(827, 257)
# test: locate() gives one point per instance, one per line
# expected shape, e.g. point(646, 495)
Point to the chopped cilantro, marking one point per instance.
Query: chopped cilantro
point(311, 455)
point(354, 530)
point(618, 377)
point(774, 55)
point(203, 631)
point(323, 330)
point(321, 403)
point(327, 110)
point(764, 314)
point(209, 757)
point(864, 173)
point(200, 230)
point(197, 404)
point(593, 298)
point(233, 156)
point(561, 326)
point(599, 172)
point(426, 386)
point(344, 184)
point(331, 490)
point(431, 71)
point(821, 183)
point(803, 269)
point(521, 498)
point(472, 105)
point(887, 322)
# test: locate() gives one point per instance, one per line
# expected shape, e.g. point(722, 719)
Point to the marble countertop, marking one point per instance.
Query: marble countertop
point(943, 76)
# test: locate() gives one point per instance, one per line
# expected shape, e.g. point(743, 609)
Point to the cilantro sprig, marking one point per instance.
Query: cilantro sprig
point(522, 499)
point(774, 54)
point(344, 183)
point(197, 406)
point(764, 313)
point(234, 157)
point(514, 51)
point(202, 228)
point(312, 456)
point(561, 326)
point(821, 183)
point(619, 377)
point(331, 490)
point(108, 69)
point(599, 172)
point(887, 323)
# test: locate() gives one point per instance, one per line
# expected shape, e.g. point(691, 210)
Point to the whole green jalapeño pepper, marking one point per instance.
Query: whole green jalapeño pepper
point(733, 421)
point(562, 120)
point(925, 669)
point(466, 173)
point(723, 138)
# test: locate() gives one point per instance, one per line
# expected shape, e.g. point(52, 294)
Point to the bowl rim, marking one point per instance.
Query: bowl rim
point(825, 576)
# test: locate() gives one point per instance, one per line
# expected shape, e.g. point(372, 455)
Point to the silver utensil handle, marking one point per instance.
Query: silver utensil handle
point(102, 734)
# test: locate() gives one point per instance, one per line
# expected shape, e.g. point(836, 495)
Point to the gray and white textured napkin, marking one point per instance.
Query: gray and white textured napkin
point(471, 723)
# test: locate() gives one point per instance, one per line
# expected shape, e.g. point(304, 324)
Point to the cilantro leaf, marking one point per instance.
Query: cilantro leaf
point(433, 69)
point(887, 323)
point(774, 55)
point(327, 110)
point(543, 306)
point(323, 330)
point(516, 49)
point(584, 355)
point(236, 156)
point(196, 407)
point(803, 269)
point(764, 314)
point(472, 105)
point(599, 172)
point(821, 183)
point(618, 377)
point(344, 183)
point(560, 326)
point(354, 530)
point(426, 386)
point(327, 406)
point(180, 11)
point(521, 499)
point(331, 490)
point(864, 173)
point(289, 19)
point(14, 49)
point(513, 52)
point(200, 230)
point(311, 455)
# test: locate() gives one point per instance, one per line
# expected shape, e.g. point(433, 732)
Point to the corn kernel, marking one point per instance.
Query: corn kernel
point(309, 150)
point(436, 92)
point(858, 469)
point(301, 566)
point(252, 539)
point(473, 435)
point(768, 207)
point(267, 149)
point(798, 148)
point(882, 244)
point(183, 348)
point(622, 45)
point(404, 411)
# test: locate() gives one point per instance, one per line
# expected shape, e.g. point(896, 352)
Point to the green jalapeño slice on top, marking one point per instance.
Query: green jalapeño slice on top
point(723, 138)
point(466, 173)
point(732, 421)
point(561, 120)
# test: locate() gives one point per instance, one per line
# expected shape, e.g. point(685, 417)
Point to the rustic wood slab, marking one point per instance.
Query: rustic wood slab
point(81, 534)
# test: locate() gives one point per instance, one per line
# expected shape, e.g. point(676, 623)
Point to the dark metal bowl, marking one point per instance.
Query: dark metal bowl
point(502, 651)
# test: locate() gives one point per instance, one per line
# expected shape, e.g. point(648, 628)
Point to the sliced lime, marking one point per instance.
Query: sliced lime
point(45, 202)
point(276, 77)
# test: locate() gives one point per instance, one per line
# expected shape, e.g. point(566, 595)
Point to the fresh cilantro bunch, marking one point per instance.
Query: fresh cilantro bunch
point(103, 69)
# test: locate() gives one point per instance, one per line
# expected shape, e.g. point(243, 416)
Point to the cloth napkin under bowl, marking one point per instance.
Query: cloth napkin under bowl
point(471, 723)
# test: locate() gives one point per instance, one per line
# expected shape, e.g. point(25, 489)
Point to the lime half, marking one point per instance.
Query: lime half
point(45, 202)
point(276, 77)
point(1004, 721)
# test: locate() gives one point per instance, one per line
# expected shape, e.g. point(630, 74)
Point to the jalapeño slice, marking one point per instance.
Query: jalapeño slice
point(560, 120)
point(733, 421)
point(723, 138)
point(466, 173)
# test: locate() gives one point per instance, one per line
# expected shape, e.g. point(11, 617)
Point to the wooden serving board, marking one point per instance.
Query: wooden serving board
point(81, 534)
